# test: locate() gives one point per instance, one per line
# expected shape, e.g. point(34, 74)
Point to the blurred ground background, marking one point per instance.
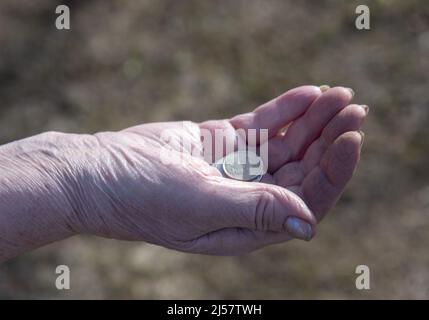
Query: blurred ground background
point(127, 62)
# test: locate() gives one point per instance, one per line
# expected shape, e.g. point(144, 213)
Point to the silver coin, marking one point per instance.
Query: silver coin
point(258, 178)
point(244, 166)
point(219, 165)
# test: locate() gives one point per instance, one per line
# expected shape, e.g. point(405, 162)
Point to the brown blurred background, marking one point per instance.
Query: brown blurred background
point(125, 62)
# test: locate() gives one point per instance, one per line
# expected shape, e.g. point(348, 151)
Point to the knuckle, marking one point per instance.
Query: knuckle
point(346, 153)
point(48, 137)
point(264, 210)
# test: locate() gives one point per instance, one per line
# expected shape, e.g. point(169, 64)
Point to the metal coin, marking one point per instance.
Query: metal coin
point(219, 165)
point(244, 166)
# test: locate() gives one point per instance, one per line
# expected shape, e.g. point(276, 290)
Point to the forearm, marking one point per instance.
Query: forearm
point(34, 206)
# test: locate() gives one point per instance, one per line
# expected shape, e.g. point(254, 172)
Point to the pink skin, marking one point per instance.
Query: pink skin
point(113, 184)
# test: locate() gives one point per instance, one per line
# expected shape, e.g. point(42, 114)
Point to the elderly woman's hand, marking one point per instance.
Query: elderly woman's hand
point(120, 184)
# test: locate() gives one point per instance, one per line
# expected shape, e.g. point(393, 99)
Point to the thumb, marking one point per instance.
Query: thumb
point(259, 207)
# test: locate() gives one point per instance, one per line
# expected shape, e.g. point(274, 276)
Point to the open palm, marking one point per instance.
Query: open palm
point(195, 209)
point(318, 153)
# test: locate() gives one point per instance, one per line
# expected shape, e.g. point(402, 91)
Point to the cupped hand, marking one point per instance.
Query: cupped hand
point(123, 185)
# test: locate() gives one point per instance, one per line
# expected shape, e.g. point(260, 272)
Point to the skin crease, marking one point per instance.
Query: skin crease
point(113, 184)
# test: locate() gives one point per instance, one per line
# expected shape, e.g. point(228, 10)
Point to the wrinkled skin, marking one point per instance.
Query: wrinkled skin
point(113, 184)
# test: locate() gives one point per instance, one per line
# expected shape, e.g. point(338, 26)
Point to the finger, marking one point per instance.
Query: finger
point(255, 206)
point(291, 174)
point(272, 116)
point(348, 119)
point(235, 241)
point(325, 183)
point(218, 138)
point(303, 131)
point(294, 179)
point(280, 111)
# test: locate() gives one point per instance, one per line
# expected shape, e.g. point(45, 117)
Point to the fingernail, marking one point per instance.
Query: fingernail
point(324, 87)
point(351, 91)
point(362, 135)
point(366, 108)
point(299, 228)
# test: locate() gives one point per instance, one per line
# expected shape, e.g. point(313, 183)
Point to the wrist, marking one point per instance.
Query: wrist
point(35, 205)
